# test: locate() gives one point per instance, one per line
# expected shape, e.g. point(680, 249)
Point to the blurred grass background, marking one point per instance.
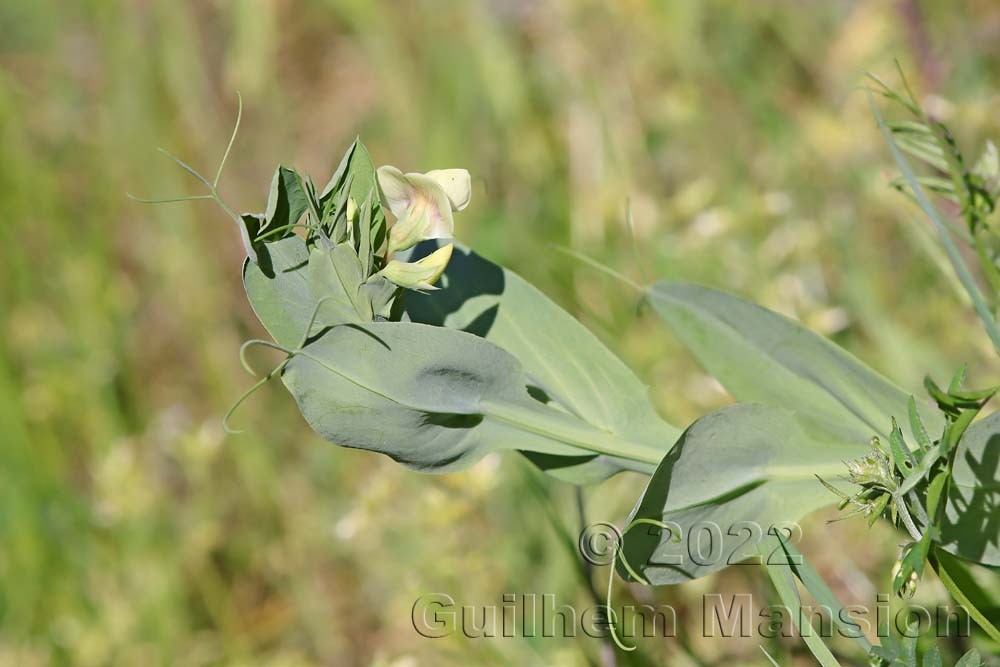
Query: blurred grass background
point(133, 531)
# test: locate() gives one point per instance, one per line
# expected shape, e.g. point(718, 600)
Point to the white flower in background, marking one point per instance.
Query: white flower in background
point(421, 274)
point(423, 203)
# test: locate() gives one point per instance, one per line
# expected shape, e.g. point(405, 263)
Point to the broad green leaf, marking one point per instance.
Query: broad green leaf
point(291, 279)
point(286, 201)
point(971, 527)
point(357, 166)
point(362, 170)
point(432, 398)
point(288, 281)
point(278, 289)
point(336, 275)
point(381, 294)
point(249, 226)
point(734, 476)
point(565, 363)
point(761, 356)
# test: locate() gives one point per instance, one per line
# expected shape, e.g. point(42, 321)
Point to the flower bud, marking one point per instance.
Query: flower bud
point(904, 578)
point(872, 469)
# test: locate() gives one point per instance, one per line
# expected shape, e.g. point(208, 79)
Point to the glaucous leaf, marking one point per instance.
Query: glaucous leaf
point(971, 527)
point(290, 277)
point(761, 356)
point(286, 200)
point(566, 365)
point(735, 476)
point(358, 166)
point(288, 281)
point(335, 278)
point(278, 289)
point(432, 398)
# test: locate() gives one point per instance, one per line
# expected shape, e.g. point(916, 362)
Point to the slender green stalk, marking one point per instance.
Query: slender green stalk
point(232, 138)
point(603, 268)
point(964, 589)
point(167, 200)
point(569, 432)
point(213, 186)
point(769, 658)
point(989, 266)
point(784, 584)
point(819, 589)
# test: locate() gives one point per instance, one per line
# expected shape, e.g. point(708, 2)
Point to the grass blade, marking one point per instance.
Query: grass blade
point(784, 584)
point(818, 588)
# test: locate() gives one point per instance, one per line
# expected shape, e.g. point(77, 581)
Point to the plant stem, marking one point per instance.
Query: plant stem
point(608, 658)
point(989, 267)
point(964, 589)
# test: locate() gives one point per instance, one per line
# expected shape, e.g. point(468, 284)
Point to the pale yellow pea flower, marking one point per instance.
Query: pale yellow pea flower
point(423, 203)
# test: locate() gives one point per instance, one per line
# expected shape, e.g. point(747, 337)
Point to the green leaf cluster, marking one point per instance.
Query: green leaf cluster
point(328, 273)
point(370, 373)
